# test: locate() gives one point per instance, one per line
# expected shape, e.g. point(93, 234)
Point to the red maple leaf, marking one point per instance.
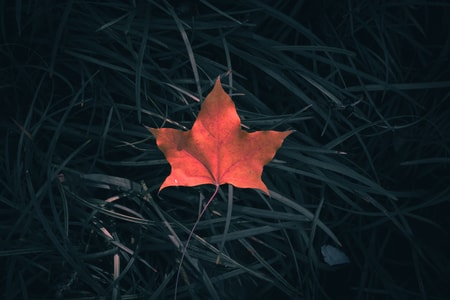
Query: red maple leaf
point(216, 150)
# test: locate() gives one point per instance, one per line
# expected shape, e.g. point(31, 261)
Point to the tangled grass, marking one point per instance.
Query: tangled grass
point(365, 84)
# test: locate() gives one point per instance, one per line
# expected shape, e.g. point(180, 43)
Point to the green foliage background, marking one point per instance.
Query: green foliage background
point(365, 84)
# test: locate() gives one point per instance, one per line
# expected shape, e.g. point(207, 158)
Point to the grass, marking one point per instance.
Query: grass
point(365, 86)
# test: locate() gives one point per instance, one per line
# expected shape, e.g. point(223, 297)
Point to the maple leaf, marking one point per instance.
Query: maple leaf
point(216, 150)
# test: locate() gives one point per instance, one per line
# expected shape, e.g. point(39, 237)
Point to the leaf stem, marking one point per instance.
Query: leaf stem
point(183, 252)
